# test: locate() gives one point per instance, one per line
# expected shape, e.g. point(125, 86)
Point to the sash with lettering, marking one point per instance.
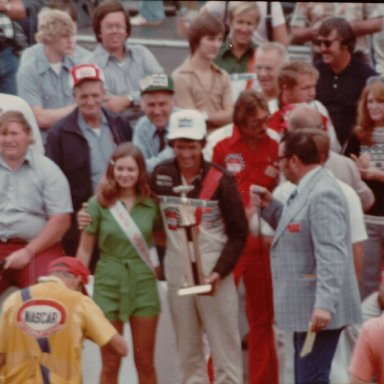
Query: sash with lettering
point(131, 230)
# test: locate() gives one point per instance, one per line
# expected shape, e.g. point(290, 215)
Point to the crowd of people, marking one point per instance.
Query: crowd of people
point(240, 166)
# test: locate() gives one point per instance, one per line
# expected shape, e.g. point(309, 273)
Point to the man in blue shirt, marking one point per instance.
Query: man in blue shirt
point(151, 131)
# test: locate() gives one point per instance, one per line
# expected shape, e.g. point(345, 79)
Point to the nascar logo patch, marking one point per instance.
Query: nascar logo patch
point(41, 318)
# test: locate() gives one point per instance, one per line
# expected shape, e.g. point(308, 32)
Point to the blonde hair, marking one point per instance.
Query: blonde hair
point(54, 24)
point(238, 7)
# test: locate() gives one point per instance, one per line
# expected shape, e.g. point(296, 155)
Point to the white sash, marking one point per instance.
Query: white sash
point(131, 230)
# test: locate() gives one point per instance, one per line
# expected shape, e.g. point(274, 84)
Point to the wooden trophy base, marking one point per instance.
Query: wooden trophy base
point(195, 290)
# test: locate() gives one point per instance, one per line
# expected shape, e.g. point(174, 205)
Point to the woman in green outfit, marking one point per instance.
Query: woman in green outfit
point(124, 220)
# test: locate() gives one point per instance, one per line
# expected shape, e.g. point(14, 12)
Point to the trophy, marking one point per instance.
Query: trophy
point(194, 281)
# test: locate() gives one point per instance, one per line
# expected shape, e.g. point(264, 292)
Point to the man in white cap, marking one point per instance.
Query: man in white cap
point(215, 205)
point(82, 143)
point(43, 327)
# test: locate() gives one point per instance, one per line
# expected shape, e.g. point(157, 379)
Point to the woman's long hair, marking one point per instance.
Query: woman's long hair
point(365, 125)
point(108, 190)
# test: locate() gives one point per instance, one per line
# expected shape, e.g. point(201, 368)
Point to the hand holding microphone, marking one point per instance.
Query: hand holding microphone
point(259, 196)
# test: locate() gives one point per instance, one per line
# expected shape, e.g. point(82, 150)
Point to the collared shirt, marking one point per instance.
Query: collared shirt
point(30, 195)
point(101, 147)
point(146, 138)
point(123, 78)
point(340, 93)
point(241, 71)
point(229, 62)
point(38, 84)
point(190, 92)
point(247, 165)
point(65, 319)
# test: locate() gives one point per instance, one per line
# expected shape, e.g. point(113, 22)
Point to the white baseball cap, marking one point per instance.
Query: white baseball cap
point(187, 124)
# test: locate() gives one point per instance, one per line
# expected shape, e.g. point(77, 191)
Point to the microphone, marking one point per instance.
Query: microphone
point(255, 221)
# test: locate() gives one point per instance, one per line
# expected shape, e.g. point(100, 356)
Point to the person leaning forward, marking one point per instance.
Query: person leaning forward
point(35, 205)
point(314, 281)
point(43, 327)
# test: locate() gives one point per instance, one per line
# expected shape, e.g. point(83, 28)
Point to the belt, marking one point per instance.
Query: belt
point(12, 240)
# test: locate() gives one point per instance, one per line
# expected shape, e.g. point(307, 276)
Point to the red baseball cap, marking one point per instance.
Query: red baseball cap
point(71, 265)
point(83, 72)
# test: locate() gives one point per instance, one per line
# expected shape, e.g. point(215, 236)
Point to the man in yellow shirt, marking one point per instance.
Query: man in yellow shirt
point(43, 327)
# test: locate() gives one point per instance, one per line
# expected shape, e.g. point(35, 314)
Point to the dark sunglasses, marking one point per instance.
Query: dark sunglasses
point(327, 43)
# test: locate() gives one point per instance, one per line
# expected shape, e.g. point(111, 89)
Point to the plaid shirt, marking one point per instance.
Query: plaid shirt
point(6, 27)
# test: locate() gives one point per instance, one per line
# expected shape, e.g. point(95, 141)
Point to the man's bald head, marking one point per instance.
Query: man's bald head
point(304, 116)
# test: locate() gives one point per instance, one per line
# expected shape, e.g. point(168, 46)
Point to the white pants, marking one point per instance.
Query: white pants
point(218, 317)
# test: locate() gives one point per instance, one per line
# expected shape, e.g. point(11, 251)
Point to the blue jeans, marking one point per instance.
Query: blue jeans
point(316, 366)
point(9, 63)
point(152, 10)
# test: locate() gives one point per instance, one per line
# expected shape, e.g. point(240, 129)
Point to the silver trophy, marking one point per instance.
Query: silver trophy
point(194, 282)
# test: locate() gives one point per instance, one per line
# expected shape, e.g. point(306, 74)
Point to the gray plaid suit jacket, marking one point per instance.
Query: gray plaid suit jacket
point(311, 256)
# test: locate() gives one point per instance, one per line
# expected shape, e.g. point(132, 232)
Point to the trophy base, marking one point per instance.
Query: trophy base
point(195, 290)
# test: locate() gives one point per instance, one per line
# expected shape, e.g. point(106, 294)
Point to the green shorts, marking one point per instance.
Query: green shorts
point(122, 291)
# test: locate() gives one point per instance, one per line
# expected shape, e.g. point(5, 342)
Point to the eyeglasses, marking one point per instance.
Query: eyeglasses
point(374, 79)
point(327, 43)
point(116, 27)
point(278, 159)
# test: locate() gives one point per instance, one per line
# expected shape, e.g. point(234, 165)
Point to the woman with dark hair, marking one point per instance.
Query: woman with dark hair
point(124, 218)
point(366, 147)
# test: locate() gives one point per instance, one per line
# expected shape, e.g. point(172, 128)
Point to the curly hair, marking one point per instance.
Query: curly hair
point(365, 125)
point(54, 24)
point(108, 190)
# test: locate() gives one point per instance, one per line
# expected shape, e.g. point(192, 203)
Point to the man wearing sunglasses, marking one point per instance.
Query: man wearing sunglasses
point(342, 76)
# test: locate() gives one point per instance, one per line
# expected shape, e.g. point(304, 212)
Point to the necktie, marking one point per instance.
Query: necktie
point(161, 134)
point(292, 197)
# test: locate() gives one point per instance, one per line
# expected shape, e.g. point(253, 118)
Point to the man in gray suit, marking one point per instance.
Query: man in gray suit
point(314, 283)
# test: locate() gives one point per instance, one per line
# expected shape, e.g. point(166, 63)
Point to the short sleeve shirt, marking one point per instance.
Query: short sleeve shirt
point(123, 78)
point(113, 243)
point(30, 195)
point(65, 319)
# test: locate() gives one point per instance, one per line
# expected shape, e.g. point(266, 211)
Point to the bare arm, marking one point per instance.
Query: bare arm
point(367, 27)
point(2, 359)
point(280, 34)
point(220, 118)
point(118, 344)
point(46, 118)
point(51, 234)
point(85, 248)
point(300, 35)
point(117, 104)
point(358, 254)
point(14, 9)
